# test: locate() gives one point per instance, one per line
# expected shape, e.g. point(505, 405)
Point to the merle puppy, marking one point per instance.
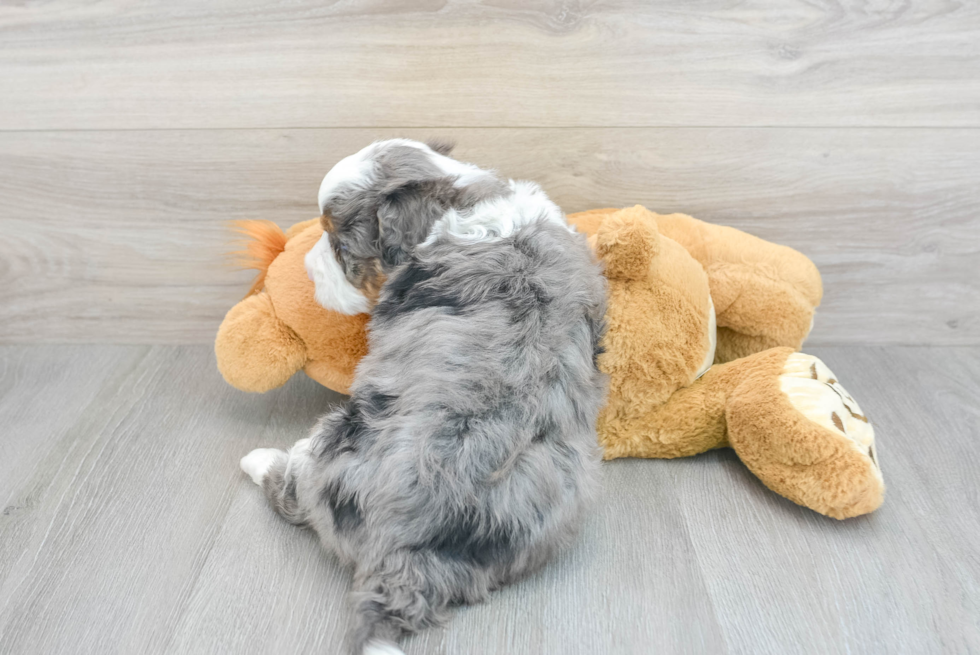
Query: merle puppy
point(467, 452)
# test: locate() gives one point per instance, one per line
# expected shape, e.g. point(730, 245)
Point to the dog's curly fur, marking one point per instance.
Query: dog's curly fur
point(467, 452)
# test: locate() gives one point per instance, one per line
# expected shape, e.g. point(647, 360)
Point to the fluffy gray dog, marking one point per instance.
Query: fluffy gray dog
point(467, 452)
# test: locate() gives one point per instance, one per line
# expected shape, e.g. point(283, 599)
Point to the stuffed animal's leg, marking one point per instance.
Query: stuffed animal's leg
point(691, 421)
point(756, 310)
point(804, 436)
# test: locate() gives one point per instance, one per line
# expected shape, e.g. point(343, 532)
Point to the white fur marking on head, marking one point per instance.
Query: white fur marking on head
point(333, 289)
point(355, 170)
point(358, 169)
point(464, 173)
point(382, 648)
point(499, 217)
point(256, 464)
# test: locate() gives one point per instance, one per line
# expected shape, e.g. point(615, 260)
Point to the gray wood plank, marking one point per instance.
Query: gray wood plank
point(260, 561)
point(545, 63)
point(44, 394)
point(41, 398)
point(268, 586)
point(120, 236)
point(120, 511)
point(905, 579)
point(154, 542)
point(632, 585)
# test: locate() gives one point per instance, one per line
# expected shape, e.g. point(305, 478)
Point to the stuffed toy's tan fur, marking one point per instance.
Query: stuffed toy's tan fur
point(764, 294)
point(783, 413)
point(278, 329)
point(683, 294)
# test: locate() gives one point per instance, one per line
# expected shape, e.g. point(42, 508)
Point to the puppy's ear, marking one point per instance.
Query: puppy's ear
point(442, 146)
point(407, 213)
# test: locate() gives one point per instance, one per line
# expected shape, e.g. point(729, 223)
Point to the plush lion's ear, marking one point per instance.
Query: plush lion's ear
point(627, 242)
point(442, 146)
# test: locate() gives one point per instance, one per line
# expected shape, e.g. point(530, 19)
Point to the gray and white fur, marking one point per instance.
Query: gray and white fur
point(467, 452)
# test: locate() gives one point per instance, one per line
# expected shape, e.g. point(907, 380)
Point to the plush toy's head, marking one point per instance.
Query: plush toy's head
point(279, 329)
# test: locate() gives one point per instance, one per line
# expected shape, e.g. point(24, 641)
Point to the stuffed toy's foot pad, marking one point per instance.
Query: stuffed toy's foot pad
point(802, 434)
point(816, 393)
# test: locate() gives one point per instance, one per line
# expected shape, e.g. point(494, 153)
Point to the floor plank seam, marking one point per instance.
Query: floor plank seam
point(450, 128)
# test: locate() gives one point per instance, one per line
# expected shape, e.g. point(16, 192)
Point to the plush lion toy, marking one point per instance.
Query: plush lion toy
point(279, 329)
point(703, 325)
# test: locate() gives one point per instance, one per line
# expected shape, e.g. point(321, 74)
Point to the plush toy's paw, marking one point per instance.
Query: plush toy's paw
point(814, 391)
point(626, 242)
point(806, 438)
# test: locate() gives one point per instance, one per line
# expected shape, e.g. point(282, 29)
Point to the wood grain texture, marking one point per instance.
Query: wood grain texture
point(905, 579)
point(119, 512)
point(544, 63)
point(120, 236)
point(43, 400)
point(134, 531)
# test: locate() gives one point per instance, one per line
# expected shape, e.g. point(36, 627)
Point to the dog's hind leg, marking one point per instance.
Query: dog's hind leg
point(275, 471)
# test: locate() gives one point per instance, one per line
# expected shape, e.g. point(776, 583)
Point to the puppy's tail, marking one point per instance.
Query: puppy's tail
point(409, 591)
point(263, 242)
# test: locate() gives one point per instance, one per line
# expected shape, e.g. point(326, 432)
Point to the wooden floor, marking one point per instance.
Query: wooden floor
point(128, 527)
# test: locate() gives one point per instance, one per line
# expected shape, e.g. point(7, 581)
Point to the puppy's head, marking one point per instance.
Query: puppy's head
point(376, 206)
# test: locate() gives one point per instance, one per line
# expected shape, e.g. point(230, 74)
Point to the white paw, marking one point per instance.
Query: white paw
point(301, 445)
point(382, 648)
point(256, 464)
